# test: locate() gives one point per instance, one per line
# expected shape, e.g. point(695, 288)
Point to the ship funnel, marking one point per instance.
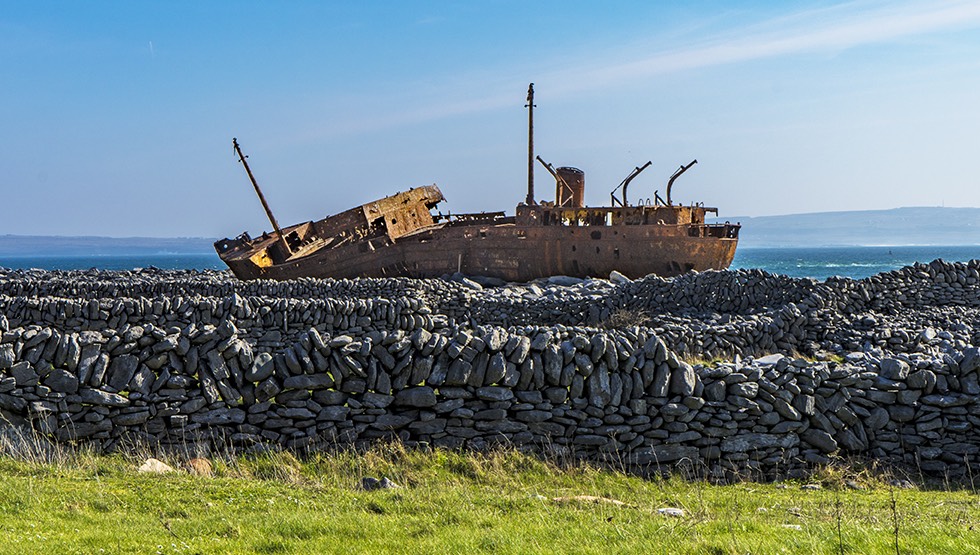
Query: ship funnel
point(570, 190)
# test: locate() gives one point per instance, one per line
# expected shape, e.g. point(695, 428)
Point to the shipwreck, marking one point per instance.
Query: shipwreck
point(405, 236)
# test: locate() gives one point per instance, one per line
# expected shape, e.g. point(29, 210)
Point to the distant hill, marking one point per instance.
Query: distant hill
point(31, 245)
point(898, 226)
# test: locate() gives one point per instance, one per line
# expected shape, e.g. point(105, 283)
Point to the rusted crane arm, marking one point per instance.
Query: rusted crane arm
point(551, 169)
point(625, 184)
point(677, 174)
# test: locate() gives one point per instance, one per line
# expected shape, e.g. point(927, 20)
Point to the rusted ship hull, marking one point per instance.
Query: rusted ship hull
point(397, 236)
point(510, 253)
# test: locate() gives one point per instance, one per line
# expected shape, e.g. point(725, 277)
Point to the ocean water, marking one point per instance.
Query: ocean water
point(819, 263)
point(163, 261)
point(853, 262)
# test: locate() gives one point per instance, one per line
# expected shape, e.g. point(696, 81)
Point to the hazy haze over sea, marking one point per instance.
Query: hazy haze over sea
point(816, 245)
point(818, 263)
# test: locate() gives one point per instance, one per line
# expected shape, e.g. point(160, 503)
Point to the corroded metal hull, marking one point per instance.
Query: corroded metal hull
point(539, 241)
point(511, 253)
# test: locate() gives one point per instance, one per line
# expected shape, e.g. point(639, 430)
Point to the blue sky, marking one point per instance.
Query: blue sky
point(116, 118)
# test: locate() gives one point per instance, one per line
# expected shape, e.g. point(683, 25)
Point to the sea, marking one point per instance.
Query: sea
point(811, 262)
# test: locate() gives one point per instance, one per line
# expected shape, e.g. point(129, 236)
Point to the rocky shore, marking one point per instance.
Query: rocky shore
point(733, 372)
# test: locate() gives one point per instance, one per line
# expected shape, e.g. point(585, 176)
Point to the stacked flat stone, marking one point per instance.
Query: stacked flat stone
point(178, 358)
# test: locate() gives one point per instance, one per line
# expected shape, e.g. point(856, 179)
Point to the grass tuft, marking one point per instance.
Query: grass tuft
point(625, 318)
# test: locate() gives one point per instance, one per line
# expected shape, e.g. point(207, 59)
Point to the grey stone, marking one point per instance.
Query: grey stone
point(80, 430)
point(819, 439)
point(11, 403)
point(102, 398)
point(62, 381)
point(132, 418)
point(121, 371)
point(751, 442)
point(24, 374)
point(661, 381)
point(749, 390)
point(715, 391)
point(557, 395)
point(901, 413)
point(262, 367)
point(496, 369)
point(769, 360)
point(391, 422)
point(266, 390)
point(297, 413)
point(308, 381)
point(971, 360)
point(598, 387)
point(674, 409)
point(662, 454)
point(532, 415)
point(945, 401)
point(806, 404)
point(490, 414)
point(922, 379)
point(459, 372)
point(377, 400)
point(142, 381)
point(590, 440)
point(423, 396)
point(494, 393)
point(683, 380)
point(6, 356)
point(881, 397)
point(894, 369)
point(878, 418)
point(329, 397)
point(618, 278)
point(333, 413)
point(786, 410)
point(219, 417)
point(434, 426)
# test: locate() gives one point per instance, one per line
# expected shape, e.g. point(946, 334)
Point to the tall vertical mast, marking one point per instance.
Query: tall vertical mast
point(268, 211)
point(530, 144)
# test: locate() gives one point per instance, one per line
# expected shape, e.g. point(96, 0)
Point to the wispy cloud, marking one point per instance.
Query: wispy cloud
point(813, 31)
point(828, 29)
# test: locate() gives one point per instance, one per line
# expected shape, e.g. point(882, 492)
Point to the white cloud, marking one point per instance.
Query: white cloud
point(828, 29)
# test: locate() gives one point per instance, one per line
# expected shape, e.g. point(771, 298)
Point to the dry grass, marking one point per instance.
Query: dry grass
point(625, 318)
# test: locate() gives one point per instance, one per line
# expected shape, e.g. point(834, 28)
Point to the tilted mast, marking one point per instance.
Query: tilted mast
point(268, 211)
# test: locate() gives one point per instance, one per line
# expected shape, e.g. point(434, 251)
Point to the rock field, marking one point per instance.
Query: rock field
point(736, 373)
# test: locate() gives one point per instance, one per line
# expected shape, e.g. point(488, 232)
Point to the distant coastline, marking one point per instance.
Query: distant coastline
point(913, 226)
point(50, 246)
point(899, 227)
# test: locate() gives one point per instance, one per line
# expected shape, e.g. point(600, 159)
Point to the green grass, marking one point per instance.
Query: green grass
point(500, 502)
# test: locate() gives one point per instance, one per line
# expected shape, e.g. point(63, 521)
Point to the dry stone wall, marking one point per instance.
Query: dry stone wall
point(186, 359)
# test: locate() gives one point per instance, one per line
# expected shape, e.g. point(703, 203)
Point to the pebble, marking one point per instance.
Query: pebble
point(671, 511)
point(154, 466)
point(370, 484)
